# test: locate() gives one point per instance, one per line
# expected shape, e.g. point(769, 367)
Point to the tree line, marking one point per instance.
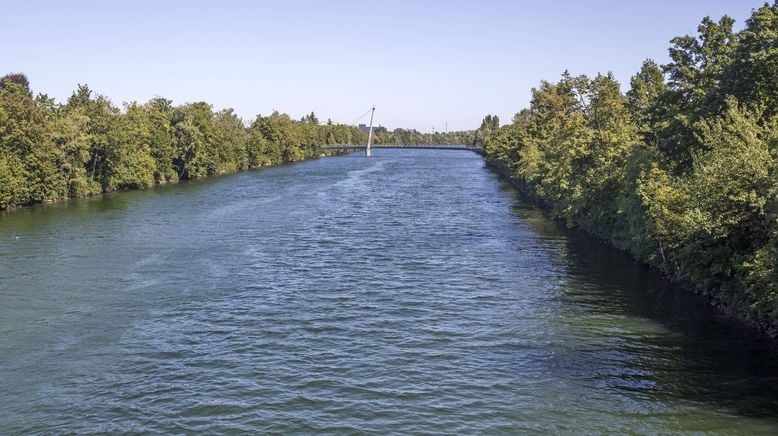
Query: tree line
point(87, 146)
point(681, 170)
point(402, 136)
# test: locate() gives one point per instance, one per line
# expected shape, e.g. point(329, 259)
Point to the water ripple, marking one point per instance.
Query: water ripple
point(407, 293)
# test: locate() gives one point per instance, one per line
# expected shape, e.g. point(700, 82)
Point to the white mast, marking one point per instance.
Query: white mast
point(370, 134)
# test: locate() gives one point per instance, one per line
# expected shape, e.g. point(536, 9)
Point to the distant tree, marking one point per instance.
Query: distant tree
point(310, 119)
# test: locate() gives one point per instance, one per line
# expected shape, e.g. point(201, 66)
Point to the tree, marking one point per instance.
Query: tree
point(28, 157)
point(715, 217)
point(231, 141)
point(645, 100)
point(752, 74)
point(192, 141)
point(601, 165)
point(100, 116)
point(71, 135)
point(279, 132)
point(697, 67)
point(489, 124)
point(17, 78)
point(160, 115)
point(310, 119)
point(128, 159)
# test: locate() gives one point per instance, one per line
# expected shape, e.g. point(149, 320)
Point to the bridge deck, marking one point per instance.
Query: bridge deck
point(478, 150)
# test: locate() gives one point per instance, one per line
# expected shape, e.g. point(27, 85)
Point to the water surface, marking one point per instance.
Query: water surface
point(408, 292)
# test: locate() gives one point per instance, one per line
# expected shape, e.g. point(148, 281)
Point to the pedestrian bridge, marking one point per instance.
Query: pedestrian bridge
point(348, 147)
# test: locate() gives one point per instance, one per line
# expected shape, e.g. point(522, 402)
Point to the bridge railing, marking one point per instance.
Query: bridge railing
point(402, 146)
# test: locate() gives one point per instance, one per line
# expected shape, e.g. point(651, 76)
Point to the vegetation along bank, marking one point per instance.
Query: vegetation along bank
point(51, 151)
point(681, 170)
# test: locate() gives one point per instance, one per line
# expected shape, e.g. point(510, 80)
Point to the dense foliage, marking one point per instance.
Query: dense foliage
point(86, 146)
point(51, 151)
point(681, 170)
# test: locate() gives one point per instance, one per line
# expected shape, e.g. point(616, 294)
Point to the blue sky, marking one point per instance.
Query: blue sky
point(422, 63)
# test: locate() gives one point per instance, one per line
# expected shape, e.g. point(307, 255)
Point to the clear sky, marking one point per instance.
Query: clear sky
point(422, 63)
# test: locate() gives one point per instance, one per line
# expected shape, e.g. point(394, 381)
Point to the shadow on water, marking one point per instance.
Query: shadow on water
point(39, 215)
point(28, 216)
point(637, 333)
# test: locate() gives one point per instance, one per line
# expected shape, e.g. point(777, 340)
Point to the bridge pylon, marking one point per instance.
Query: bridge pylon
point(368, 152)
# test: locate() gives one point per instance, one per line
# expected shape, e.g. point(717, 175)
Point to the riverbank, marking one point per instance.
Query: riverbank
point(164, 182)
point(88, 146)
point(727, 306)
point(677, 171)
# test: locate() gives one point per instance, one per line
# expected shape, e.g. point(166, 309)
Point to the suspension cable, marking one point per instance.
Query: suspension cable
point(359, 118)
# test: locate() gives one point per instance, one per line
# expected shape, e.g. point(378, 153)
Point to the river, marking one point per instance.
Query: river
point(408, 292)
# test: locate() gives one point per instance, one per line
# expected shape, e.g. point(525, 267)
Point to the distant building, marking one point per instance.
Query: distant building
point(365, 128)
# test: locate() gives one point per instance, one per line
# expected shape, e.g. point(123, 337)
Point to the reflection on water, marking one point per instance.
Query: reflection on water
point(636, 333)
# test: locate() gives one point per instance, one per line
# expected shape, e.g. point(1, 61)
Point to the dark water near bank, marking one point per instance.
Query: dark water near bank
point(409, 292)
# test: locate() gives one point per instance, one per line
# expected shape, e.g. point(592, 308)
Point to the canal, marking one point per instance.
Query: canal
point(409, 292)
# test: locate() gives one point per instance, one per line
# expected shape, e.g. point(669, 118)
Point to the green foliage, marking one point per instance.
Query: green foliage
point(715, 218)
point(283, 140)
point(647, 89)
point(681, 172)
point(128, 159)
point(88, 146)
point(490, 124)
point(18, 79)
point(28, 156)
point(697, 67)
point(232, 139)
point(751, 77)
point(310, 119)
point(13, 182)
point(160, 118)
